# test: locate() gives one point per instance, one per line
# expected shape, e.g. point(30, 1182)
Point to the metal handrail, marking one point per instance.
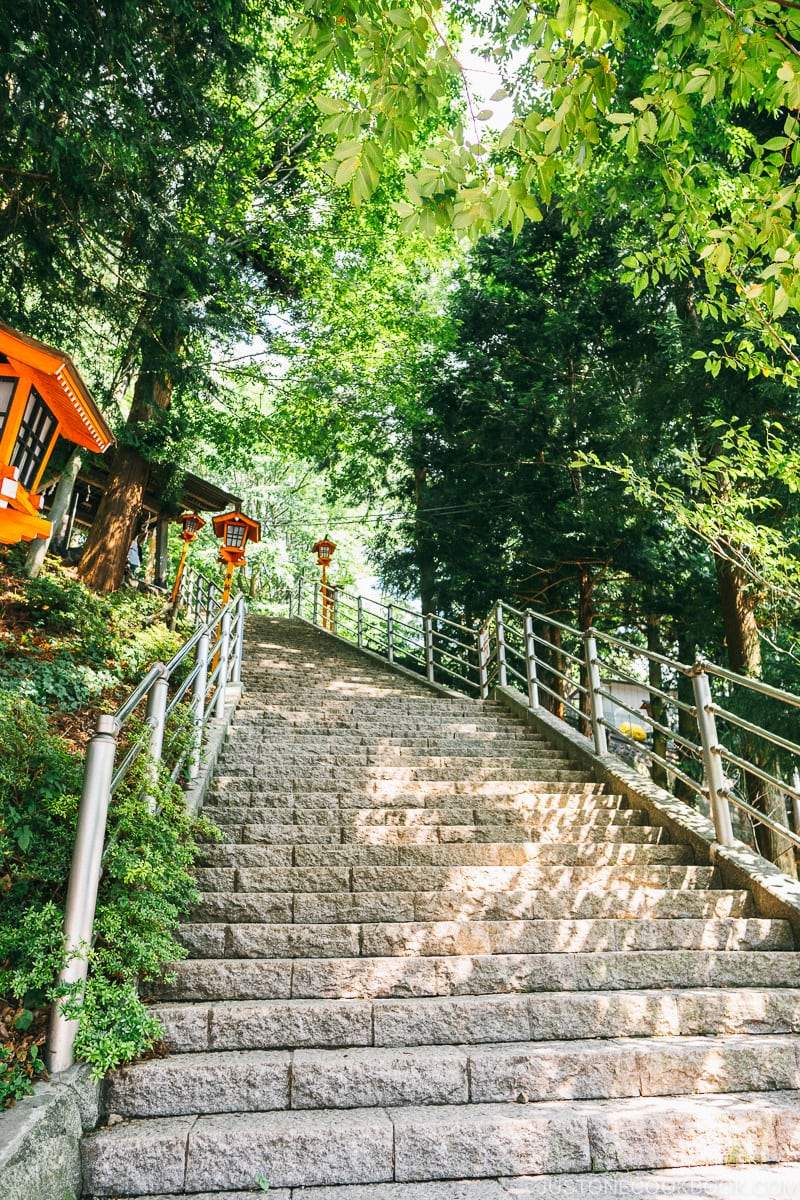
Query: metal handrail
point(103, 776)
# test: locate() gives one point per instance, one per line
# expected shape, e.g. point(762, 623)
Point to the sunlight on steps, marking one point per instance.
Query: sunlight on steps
point(433, 960)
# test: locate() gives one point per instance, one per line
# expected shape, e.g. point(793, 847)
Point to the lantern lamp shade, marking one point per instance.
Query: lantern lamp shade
point(235, 530)
point(324, 549)
point(192, 524)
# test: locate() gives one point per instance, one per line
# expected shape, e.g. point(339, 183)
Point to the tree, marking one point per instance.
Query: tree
point(676, 100)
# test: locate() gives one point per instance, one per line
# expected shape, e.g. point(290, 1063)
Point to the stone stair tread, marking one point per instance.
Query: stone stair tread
point(558, 879)
point(366, 1077)
point(516, 936)
point(443, 833)
point(335, 814)
point(372, 978)
point(475, 1020)
point(495, 903)
point(441, 1142)
point(776, 1181)
point(450, 855)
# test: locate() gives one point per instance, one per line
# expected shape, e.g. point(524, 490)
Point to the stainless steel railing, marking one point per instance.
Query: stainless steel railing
point(176, 701)
point(663, 715)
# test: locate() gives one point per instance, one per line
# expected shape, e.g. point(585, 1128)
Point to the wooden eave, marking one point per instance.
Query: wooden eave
point(59, 383)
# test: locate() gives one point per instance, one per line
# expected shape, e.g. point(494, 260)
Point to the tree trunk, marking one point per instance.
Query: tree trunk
point(162, 552)
point(738, 601)
point(58, 515)
point(657, 707)
point(102, 564)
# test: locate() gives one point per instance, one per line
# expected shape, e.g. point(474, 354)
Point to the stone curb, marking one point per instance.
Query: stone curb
point(384, 662)
point(775, 893)
point(40, 1138)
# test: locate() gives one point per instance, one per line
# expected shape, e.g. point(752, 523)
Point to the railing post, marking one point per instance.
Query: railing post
point(84, 880)
point(224, 655)
point(595, 699)
point(360, 621)
point(483, 660)
point(429, 666)
point(390, 632)
point(795, 801)
point(238, 648)
point(299, 595)
point(199, 703)
point(316, 604)
point(334, 611)
point(209, 599)
point(530, 661)
point(155, 715)
point(500, 626)
point(715, 778)
point(198, 599)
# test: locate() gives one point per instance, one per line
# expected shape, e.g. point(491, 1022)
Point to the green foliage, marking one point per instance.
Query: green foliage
point(16, 1075)
point(77, 645)
point(146, 884)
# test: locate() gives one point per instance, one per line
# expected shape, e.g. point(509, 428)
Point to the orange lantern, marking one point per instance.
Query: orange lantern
point(324, 549)
point(192, 524)
point(42, 398)
point(235, 530)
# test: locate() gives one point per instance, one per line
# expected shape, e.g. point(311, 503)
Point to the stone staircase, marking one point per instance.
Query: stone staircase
point(433, 961)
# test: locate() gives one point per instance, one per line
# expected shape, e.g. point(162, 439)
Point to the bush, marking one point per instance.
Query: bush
point(80, 645)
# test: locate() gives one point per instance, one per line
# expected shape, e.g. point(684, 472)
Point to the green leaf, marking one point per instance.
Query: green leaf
point(346, 171)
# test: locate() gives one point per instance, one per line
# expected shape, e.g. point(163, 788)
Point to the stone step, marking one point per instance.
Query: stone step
point(359, 1146)
point(496, 854)
point(370, 757)
point(559, 880)
point(248, 793)
point(493, 904)
point(362, 833)
point(777, 1181)
point(373, 978)
point(290, 813)
point(474, 1020)
point(374, 1077)
point(477, 937)
point(273, 775)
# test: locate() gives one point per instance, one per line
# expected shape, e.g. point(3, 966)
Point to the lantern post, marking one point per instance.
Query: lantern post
point(192, 524)
point(324, 549)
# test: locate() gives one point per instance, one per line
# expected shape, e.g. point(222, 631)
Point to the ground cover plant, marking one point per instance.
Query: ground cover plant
point(66, 654)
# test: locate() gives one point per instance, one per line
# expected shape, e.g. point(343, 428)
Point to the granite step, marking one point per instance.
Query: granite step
point(478, 937)
point(292, 813)
point(375, 1077)
point(494, 854)
point(777, 1181)
point(493, 904)
point(438, 1142)
point(363, 833)
point(558, 879)
point(474, 1020)
point(454, 975)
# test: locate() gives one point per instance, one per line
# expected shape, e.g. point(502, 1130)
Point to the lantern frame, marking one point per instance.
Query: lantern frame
point(192, 524)
point(224, 525)
point(324, 549)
